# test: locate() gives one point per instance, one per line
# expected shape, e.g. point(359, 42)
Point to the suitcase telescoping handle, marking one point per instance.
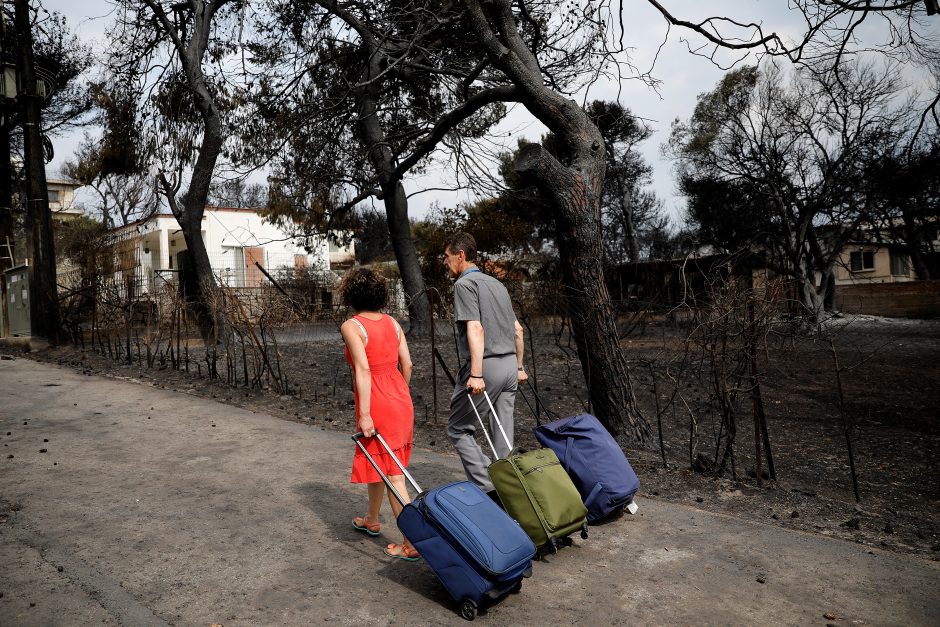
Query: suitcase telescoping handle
point(356, 438)
point(483, 426)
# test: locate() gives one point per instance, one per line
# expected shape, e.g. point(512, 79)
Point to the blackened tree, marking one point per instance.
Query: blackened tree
point(371, 237)
point(171, 55)
point(570, 181)
point(833, 35)
point(791, 159)
point(907, 188)
point(631, 214)
point(122, 197)
point(352, 97)
point(236, 192)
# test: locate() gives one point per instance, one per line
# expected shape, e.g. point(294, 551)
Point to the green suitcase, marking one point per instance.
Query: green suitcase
point(536, 491)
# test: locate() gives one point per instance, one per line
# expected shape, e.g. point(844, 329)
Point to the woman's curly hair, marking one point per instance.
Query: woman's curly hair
point(364, 290)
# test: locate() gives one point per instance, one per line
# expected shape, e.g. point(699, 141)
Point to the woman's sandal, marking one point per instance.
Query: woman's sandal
point(359, 524)
point(402, 552)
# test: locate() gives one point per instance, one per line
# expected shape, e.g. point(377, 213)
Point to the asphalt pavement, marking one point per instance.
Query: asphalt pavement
point(122, 503)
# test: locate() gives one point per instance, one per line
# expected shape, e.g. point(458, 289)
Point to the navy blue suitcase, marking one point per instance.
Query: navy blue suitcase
point(593, 459)
point(476, 550)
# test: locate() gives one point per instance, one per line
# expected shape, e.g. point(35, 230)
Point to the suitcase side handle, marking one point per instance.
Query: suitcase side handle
point(414, 484)
point(483, 426)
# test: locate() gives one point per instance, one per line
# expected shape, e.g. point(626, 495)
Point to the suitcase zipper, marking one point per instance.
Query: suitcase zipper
point(540, 468)
point(550, 532)
point(535, 507)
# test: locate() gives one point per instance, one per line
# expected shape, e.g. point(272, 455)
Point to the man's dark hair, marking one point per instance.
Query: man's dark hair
point(364, 290)
point(462, 241)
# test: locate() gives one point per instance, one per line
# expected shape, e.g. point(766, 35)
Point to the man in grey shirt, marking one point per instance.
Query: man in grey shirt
point(490, 347)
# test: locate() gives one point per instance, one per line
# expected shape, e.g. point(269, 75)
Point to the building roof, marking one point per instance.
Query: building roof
point(167, 214)
point(63, 183)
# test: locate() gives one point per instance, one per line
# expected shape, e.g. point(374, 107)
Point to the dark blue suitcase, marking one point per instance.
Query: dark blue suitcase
point(597, 465)
point(476, 550)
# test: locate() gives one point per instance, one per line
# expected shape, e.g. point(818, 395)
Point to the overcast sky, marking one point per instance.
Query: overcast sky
point(683, 76)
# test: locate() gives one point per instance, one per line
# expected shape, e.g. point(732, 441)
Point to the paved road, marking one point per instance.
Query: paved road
point(151, 507)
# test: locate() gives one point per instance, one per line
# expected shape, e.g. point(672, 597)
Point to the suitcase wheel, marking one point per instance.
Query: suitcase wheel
point(468, 609)
point(584, 532)
point(516, 589)
point(567, 541)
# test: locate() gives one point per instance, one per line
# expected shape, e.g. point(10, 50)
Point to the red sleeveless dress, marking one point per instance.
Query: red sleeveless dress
point(390, 406)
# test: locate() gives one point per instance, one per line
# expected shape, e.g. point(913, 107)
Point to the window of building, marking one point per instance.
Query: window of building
point(53, 195)
point(900, 264)
point(862, 260)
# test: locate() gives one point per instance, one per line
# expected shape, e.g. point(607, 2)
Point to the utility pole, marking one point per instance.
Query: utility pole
point(43, 292)
point(6, 167)
point(6, 216)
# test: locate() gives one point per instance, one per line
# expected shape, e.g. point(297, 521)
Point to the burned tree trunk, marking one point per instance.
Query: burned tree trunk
point(380, 155)
point(575, 193)
point(572, 184)
point(192, 51)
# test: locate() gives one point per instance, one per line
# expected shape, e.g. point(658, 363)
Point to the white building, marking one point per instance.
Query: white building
point(62, 198)
point(241, 245)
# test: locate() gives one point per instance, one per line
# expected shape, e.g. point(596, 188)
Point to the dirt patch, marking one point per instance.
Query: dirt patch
point(891, 380)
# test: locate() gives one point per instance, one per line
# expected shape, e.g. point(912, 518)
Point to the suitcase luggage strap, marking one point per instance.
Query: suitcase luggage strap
point(590, 498)
point(356, 438)
point(568, 452)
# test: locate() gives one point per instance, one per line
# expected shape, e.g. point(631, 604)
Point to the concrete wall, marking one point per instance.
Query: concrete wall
point(917, 299)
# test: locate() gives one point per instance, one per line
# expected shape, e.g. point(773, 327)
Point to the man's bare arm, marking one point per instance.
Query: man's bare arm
point(475, 340)
point(520, 351)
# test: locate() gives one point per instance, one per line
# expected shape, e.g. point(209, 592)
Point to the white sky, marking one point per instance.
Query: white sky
point(683, 77)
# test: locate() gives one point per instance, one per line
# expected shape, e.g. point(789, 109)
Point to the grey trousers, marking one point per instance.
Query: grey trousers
point(500, 375)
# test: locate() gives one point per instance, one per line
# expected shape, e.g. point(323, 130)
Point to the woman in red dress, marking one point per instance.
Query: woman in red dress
point(378, 353)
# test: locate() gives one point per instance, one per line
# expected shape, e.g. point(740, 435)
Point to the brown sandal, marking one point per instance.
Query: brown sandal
point(359, 524)
point(402, 552)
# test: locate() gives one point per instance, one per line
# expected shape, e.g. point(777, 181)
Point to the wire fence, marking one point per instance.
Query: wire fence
point(263, 334)
point(695, 349)
point(283, 336)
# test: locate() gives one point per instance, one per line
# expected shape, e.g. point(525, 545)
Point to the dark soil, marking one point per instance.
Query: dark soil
point(891, 383)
